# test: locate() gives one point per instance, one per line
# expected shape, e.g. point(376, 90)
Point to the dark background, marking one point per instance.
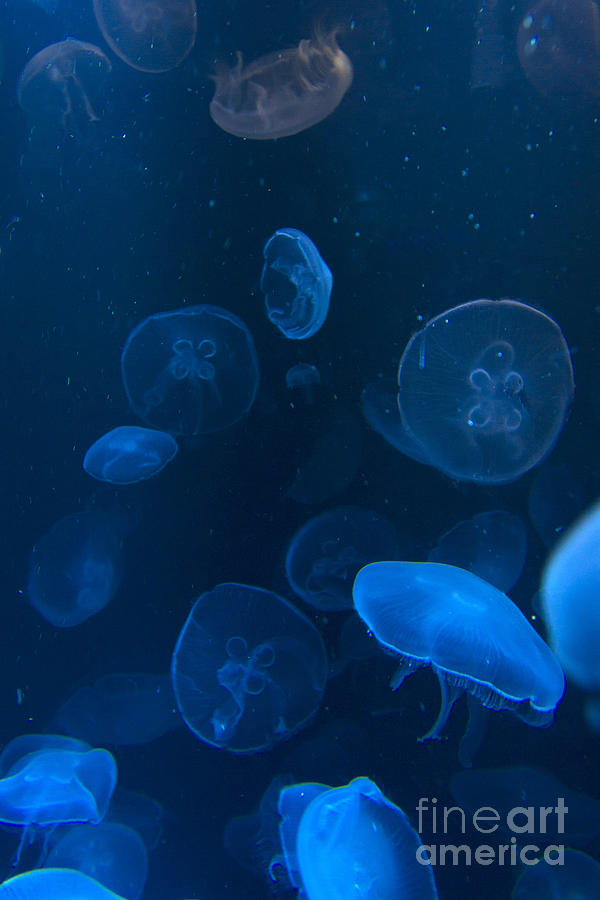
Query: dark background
point(420, 193)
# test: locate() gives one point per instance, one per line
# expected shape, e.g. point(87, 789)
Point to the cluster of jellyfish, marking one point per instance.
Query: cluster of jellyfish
point(481, 394)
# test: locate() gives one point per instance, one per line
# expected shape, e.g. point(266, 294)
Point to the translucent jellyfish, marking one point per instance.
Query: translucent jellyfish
point(296, 284)
point(62, 85)
point(484, 389)
point(54, 785)
point(75, 569)
point(120, 710)
point(129, 454)
point(282, 93)
point(492, 545)
point(303, 378)
point(248, 670)
point(351, 841)
point(149, 35)
point(575, 876)
point(54, 884)
point(474, 638)
point(569, 593)
point(111, 853)
point(326, 553)
point(192, 371)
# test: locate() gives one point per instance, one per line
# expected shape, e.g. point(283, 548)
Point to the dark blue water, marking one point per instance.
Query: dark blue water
point(420, 193)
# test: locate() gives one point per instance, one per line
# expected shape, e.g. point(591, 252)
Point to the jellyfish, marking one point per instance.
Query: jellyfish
point(282, 93)
point(248, 669)
point(61, 85)
point(327, 551)
point(149, 35)
point(54, 884)
point(472, 635)
point(129, 454)
point(296, 284)
point(484, 389)
point(350, 841)
point(192, 371)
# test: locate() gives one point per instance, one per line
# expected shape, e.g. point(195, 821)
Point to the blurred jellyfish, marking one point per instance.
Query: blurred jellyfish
point(303, 378)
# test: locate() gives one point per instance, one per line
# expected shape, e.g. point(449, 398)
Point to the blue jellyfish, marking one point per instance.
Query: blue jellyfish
point(192, 371)
point(484, 389)
point(326, 553)
point(351, 842)
point(54, 884)
point(120, 710)
point(475, 639)
point(129, 454)
point(75, 569)
point(248, 669)
point(296, 284)
point(303, 378)
point(52, 786)
point(111, 853)
point(568, 875)
point(492, 545)
point(569, 594)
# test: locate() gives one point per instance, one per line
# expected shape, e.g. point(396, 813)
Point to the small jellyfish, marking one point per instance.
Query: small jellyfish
point(282, 93)
point(296, 284)
point(303, 378)
point(129, 454)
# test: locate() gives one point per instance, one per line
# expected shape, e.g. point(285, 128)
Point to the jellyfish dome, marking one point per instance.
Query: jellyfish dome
point(472, 635)
point(192, 371)
point(484, 389)
point(351, 842)
point(569, 593)
point(55, 884)
point(248, 670)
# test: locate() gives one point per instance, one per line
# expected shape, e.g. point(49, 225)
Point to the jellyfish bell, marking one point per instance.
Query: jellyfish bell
point(284, 92)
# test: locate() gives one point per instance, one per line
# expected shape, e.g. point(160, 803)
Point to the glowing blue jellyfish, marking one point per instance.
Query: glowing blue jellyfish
point(303, 378)
point(75, 569)
point(296, 284)
point(326, 553)
point(351, 842)
point(484, 389)
point(569, 592)
point(111, 853)
point(54, 785)
point(474, 638)
point(129, 454)
point(54, 884)
point(492, 545)
point(192, 371)
point(248, 669)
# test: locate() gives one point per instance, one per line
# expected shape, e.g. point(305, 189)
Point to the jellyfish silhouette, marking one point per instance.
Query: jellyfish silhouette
point(472, 635)
point(484, 389)
point(282, 93)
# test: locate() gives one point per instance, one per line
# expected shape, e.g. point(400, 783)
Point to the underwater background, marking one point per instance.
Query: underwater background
point(427, 187)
